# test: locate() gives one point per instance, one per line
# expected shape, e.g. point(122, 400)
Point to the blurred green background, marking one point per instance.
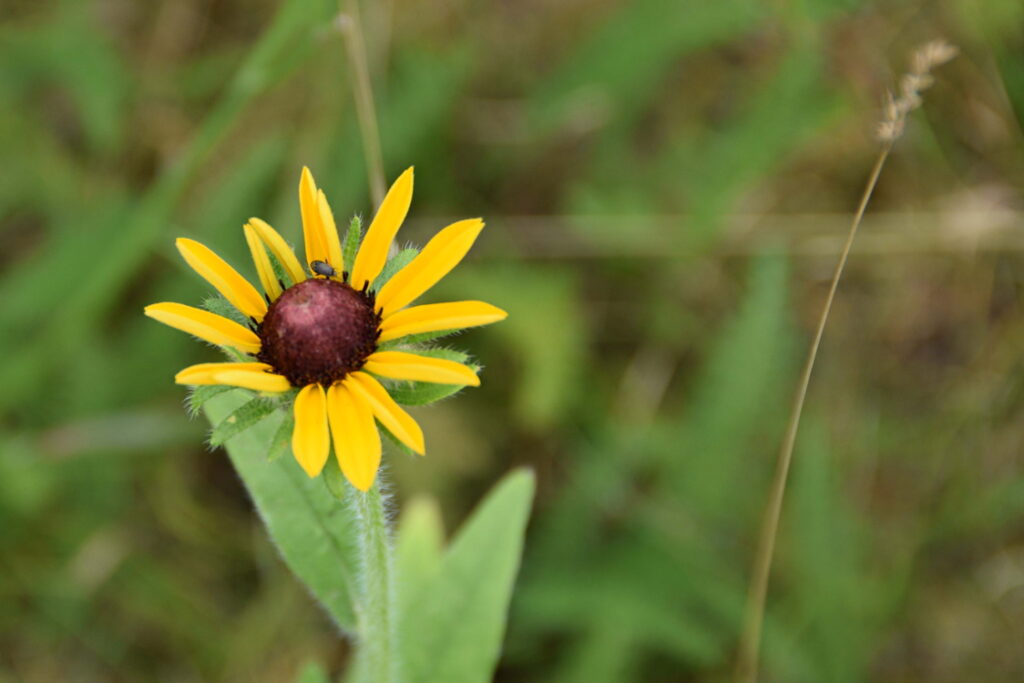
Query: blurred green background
point(666, 185)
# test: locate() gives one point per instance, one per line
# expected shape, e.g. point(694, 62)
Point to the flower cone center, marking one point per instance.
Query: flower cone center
point(318, 331)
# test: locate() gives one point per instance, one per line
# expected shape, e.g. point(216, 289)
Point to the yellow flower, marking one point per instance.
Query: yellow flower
point(321, 333)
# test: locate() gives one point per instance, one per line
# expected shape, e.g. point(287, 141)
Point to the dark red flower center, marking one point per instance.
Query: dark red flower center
point(318, 331)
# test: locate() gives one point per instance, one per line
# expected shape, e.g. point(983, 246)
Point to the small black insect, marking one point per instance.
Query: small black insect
point(322, 268)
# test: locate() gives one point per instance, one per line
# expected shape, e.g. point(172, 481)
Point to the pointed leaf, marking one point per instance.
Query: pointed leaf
point(281, 443)
point(311, 529)
point(418, 551)
point(452, 630)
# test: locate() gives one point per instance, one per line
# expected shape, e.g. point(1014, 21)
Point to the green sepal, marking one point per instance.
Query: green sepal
point(236, 355)
point(394, 439)
point(334, 479)
point(422, 338)
point(353, 236)
point(242, 418)
point(394, 264)
point(279, 270)
point(220, 306)
point(424, 393)
point(201, 394)
point(282, 440)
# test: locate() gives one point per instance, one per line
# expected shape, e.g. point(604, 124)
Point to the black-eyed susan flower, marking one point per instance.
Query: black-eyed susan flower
point(322, 331)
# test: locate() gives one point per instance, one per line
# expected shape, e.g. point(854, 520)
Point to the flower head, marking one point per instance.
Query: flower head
point(336, 331)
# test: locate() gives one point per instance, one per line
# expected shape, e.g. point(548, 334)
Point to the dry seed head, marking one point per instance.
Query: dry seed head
point(927, 57)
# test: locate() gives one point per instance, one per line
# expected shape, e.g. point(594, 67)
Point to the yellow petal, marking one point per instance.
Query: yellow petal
point(310, 442)
point(373, 252)
point(280, 249)
point(204, 373)
point(390, 414)
point(437, 317)
point(263, 267)
point(257, 380)
point(356, 439)
point(312, 226)
point(401, 365)
point(441, 254)
point(205, 325)
point(223, 277)
point(334, 257)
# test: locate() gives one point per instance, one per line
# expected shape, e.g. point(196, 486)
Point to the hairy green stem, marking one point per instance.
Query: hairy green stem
point(375, 603)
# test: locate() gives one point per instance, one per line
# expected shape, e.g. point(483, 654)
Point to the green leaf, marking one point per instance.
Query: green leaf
point(418, 551)
point(452, 629)
point(198, 396)
point(282, 440)
point(311, 529)
point(353, 236)
point(313, 672)
point(394, 264)
point(335, 480)
point(734, 400)
point(241, 419)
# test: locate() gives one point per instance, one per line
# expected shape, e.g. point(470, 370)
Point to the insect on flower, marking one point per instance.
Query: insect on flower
point(322, 268)
point(333, 337)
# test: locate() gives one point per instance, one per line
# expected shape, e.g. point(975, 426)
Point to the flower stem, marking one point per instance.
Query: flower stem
point(750, 640)
point(375, 608)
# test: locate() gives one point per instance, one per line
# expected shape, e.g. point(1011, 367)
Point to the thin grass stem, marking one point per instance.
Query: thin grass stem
point(750, 640)
point(351, 28)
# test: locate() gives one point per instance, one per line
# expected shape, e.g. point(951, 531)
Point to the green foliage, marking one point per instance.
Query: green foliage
point(423, 393)
point(829, 596)
point(310, 529)
point(419, 550)
point(545, 334)
point(350, 244)
point(393, 265)
point(244, 417)
point(731, 402)
point(313, 672)
point(281, 443)
point(199, 395)
point(451, 629)
point(219, 305)
point(612, 64)
point(654, 587)
point(334, 479)
point(632, 161)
